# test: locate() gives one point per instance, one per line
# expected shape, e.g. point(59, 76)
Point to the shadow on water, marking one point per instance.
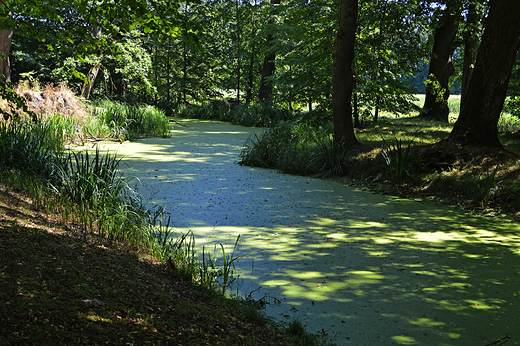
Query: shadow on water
point(364, 268)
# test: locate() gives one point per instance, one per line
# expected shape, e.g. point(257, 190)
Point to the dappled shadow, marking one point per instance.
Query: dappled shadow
point(66, 288)
point(368, 268)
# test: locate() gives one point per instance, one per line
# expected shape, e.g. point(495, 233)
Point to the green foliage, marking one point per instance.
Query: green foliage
point(390, 45)
point(397, 159)
point(95, 193)
point(512, 105)
point(434, 87)
point(131, 122)
point(258, 115)
point(228, 266)
point(27, 148)
point(295, 147)
point(487, 185)
point(183, 260)
point(329, 158)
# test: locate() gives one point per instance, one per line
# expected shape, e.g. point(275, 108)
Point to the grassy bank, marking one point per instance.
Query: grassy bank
point(60, 285)
point(85, 260)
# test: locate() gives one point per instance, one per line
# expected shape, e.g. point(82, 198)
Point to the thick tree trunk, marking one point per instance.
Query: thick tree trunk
point(441, 67)
point(342, 75)
point(265, 92)
point(5, 48)
point(470, 37)
point(484, 97)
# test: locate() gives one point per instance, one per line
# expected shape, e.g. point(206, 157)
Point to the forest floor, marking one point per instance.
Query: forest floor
point(62, 286)
point(479, 180)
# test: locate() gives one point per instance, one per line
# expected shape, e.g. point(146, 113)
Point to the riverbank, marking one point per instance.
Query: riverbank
point(62, 286)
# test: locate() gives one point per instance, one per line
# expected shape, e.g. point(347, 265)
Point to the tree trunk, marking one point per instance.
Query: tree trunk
point(6, 37)
point(238, 52)
point(91, 78)
point(376, 110)
point(184, 73)
point(265, 93)
point(441, 67)
point(94, 69)
point(484, 97)
point(470, 37)
point(357, 124)
point(250, 72)
point(342, 75)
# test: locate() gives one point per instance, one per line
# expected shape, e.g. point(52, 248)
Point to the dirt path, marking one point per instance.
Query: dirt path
point(364, 268)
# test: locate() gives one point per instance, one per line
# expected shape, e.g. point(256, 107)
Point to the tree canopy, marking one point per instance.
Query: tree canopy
point(171, 52)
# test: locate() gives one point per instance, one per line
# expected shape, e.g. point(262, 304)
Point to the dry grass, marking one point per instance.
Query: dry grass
point(52, 100)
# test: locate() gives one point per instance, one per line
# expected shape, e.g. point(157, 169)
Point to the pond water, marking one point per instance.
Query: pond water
point(363, 268)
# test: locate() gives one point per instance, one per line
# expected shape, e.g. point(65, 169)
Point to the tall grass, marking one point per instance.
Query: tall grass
point(397, 159)
point(127, 122)
point(296, 148)
point(28, 148)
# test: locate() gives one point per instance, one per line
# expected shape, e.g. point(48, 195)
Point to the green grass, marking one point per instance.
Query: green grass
point(127, 122)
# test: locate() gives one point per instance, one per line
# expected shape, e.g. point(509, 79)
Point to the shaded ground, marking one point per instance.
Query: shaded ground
point(59, 286)
point(479, 180)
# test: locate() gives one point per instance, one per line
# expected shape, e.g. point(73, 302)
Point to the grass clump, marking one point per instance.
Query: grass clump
point(397, 159)
point(126, 122)
point(295, 148)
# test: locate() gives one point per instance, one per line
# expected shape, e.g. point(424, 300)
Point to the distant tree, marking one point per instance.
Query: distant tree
point(343, 82)
point(94, 69)
point(265, 93)
point(6, 36)
point(485, 94)
point(390, 48)
point(441, 64)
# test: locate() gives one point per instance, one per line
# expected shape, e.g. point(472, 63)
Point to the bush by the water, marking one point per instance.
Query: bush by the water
point(295, 147)
point(258, 115)
point(130, 122)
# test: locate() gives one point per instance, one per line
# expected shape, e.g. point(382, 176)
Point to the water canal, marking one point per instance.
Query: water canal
point(364, 268)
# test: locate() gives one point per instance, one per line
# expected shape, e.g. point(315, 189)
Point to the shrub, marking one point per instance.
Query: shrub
point(397, 160)
point(130, 122)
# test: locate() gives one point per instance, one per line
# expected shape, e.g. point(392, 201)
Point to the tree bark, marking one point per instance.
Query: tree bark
point(441, 65)
point(342, 75)
point(91, 78)
point(470, 38)
point(6, 37)
point(484, 98)
point(94, 69)
point(238, 52)
point(265, 92)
